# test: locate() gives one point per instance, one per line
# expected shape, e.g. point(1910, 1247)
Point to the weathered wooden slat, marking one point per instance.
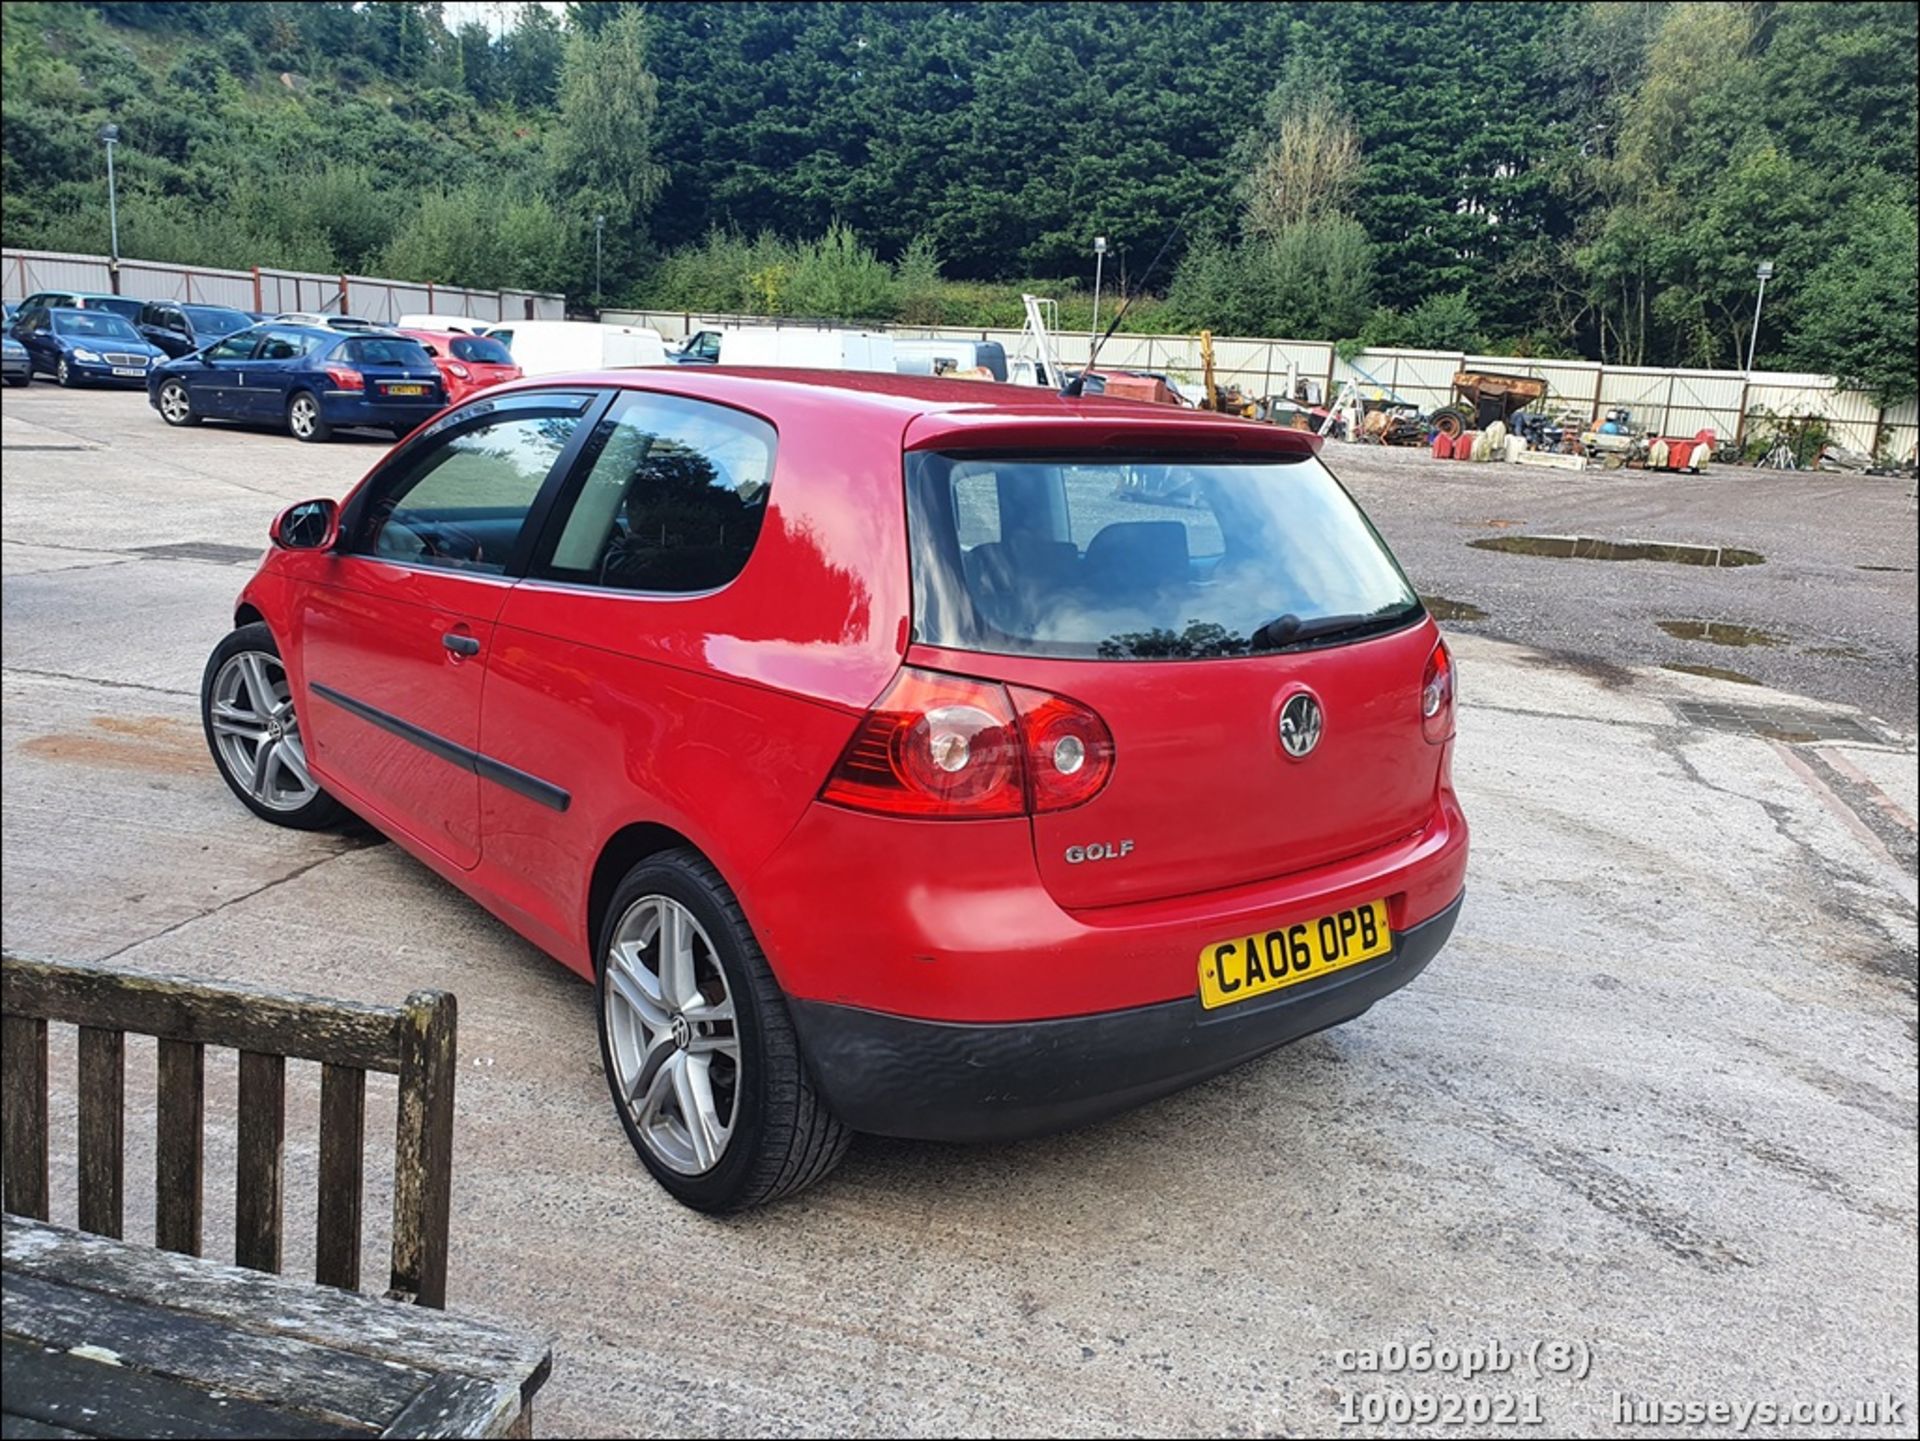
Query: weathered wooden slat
point(343, 1116)
point(454, 1405)
point(271, 1306)
point(179, 1111)
point(30, 1430)
point(323, 1383)
point(56, 1388)
point(214, 1013)
point(261, 1148)
point(23, 1115)
point(423, 1153)
point(103, 1130)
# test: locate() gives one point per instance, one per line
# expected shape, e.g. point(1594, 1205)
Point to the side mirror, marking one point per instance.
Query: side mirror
point(310, 525)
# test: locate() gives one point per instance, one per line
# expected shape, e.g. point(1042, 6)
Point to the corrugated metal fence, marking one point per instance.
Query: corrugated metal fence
point(22, 272)
point(1669, 402)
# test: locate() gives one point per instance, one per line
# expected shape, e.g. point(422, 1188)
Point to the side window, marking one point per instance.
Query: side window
point(286, 345)
point(976, 507)
point(460, 504)
point(235, 347)
point(1155, 492)
point(673, 501)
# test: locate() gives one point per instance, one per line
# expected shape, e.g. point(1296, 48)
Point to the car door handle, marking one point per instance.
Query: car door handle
point(460, 644)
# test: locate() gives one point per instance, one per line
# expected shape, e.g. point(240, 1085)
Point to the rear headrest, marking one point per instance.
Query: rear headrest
point(1138, 554)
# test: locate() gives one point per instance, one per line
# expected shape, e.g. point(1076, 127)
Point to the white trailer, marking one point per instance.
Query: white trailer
point(791, 347)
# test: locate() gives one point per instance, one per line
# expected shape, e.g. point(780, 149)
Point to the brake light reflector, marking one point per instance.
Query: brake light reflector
point(1436, 696)
point(951, 747)
point(457, 368)
point(345, 377)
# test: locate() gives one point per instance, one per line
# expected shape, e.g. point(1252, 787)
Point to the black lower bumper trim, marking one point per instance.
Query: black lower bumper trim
point(950, 1081)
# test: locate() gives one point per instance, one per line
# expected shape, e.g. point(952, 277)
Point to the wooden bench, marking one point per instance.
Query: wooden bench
point(414, 1041)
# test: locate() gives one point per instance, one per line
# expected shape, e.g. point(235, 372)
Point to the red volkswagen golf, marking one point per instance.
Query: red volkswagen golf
point(935, 759)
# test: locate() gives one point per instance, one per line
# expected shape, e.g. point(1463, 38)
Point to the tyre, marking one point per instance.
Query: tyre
point(65, 376)
point(304, 418)
point(176, 407)
point(247, 712)
point(700, 1055)
point(16, 381)
point(1449, 421)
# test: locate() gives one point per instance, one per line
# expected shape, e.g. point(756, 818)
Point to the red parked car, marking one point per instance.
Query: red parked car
point(889, 751)
point(466, 362)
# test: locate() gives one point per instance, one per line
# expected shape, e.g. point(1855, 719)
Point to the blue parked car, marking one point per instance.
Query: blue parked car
point(81, 347)
point(310, 380)
point(17, 368)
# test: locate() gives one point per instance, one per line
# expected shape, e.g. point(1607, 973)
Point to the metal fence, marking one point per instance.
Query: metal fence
point(265, 288)
point(1668, 402)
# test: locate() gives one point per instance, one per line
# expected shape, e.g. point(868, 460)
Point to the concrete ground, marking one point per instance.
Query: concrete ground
point(1650, 1118)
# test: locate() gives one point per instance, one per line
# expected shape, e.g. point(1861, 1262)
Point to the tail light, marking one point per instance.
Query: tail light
point(1436, 696)
point(952, 748)
point(345, 377)
point(457, 368)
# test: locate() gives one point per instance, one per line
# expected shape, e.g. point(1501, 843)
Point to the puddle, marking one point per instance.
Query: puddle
point(1713, 672)
point(1838, 652)
point(1715, 632)
point(1586, 547)
point(1440, 608)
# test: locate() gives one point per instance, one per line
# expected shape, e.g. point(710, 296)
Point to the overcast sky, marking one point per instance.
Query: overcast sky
point(496, 15)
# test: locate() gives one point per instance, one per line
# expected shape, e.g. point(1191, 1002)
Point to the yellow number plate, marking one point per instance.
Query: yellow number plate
point(406, 390)
point(1248, 966)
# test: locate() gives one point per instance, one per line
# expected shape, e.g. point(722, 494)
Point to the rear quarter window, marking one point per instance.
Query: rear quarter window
point(480, 350)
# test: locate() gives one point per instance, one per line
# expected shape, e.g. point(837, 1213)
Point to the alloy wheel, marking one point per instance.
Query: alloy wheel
point(302, 416)
point(673, 1035)
point(257, 733)
point(173, 402)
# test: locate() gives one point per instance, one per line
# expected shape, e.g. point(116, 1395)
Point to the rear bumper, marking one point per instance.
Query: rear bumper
point(349, 408)
point(953, 1081)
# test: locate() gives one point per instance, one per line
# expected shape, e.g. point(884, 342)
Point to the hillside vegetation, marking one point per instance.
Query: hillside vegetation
point(1593, 179)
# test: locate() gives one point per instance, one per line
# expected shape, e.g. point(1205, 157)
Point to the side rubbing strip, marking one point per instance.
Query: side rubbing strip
point(486, 767)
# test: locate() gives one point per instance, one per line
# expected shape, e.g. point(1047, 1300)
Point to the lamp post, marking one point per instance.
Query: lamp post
point(1099, 258)
point(110, 136)
point(1764, 271)
point(599, 225)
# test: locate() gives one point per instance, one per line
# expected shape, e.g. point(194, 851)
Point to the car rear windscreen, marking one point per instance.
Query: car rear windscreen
point(479, 350)
point(1160, 559)
point(384, 351)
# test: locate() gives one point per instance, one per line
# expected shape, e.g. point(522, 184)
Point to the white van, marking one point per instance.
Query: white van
point(789, 347)
point(548, 347)
point(459, 324)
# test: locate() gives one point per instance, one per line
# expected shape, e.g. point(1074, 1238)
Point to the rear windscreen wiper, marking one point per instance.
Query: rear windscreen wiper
point(1289, 632)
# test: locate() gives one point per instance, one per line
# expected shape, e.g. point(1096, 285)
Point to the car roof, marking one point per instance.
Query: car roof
point(939, 410)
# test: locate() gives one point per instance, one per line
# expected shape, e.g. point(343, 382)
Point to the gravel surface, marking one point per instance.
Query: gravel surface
point(1844, 633)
